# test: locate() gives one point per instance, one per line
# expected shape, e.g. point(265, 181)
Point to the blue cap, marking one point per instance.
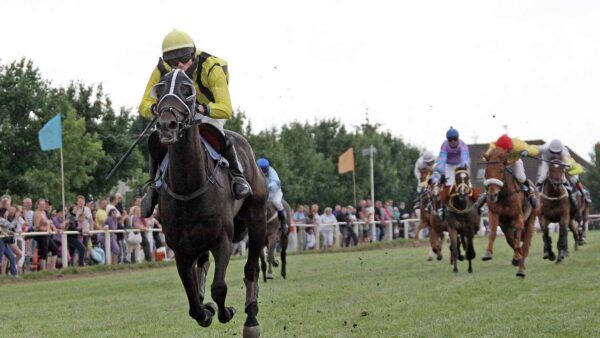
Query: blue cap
point(451, 133)
point(263, 163)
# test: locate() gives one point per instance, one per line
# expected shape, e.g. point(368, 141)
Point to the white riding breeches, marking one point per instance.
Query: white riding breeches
point(449, 173)
point(275, 198)
point(519, 171)
point(218, 123)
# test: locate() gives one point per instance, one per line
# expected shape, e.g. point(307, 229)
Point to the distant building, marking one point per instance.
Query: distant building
point(531, 165)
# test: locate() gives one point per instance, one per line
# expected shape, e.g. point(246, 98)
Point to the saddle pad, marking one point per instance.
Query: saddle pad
point(221, 160)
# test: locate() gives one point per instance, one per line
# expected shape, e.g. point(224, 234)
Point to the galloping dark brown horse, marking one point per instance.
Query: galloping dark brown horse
point(509, 207)
point(197, 210)
point(555, 208)
point(579, 217)
point(463, 217)
point(275, 232)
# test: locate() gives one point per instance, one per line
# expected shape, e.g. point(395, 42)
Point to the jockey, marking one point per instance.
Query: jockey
point(274, 185)
point(212, 93)
point(516, 150)
point(556, 147)
point(424, 168)
point(453, 153)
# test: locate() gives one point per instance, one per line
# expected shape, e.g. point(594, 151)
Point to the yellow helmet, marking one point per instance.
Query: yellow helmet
point(177, 43)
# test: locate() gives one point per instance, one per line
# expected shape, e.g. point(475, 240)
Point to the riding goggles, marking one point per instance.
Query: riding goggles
point(183, 59)
point(450, 139)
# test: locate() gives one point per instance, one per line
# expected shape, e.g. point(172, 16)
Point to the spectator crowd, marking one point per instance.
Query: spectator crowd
point(31, 235)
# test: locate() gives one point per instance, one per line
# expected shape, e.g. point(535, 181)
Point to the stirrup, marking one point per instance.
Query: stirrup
point(238, 181)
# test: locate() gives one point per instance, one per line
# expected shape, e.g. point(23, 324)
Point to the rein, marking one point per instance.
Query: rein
point(564, 195)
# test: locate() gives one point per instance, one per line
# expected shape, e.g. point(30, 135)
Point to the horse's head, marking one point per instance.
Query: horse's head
point(176, 103)
point(462, 182)
point(494, 172)
point(556, 171)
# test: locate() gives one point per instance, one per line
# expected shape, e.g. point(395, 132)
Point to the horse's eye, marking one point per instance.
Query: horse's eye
point(186, 90)
point(157, 91)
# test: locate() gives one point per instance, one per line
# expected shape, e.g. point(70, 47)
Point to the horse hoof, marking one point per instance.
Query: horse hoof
point(251, 331)
point(521, 274)
point(270, 276)
point(227, 315)
point(515, 262)
point(429, 259)
point(208, 320)
point(211, 307)
point(551, 256)
point(487, 257)
point(546, 255)
point(470, 270)
point(283, 275)
point(461, 258)
point(275, 264)
point(439, 258)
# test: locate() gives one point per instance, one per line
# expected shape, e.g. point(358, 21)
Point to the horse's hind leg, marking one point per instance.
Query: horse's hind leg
point(263, 265)
point(256, 239)
point(188, 278)
point(284, 245)
point(218, 288)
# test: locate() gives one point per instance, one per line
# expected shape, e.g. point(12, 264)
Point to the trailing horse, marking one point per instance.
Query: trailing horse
point(555, 208)
point(423, 202)
point(274, 233)
point(437, 225)
point(463, 218)
point(197, 208)
point(509, 207)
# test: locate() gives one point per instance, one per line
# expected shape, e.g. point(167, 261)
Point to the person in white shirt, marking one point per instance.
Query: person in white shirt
point(327, 223)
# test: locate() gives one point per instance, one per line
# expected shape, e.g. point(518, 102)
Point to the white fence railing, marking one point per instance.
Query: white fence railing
point(65, 248)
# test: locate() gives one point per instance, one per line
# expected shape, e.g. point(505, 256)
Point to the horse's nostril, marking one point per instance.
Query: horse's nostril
point(172, 125)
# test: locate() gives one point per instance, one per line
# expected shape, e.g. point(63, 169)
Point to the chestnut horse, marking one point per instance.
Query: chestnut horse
point(437, 225)
point(555, 208)
point(424, 205)
point(197, 209)
point(274, 233)
point(463, 217)
point(509, 207)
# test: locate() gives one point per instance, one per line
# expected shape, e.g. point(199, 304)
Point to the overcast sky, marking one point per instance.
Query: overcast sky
point(418, 67)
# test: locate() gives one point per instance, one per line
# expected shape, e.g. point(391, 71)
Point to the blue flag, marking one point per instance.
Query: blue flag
point(50, 135)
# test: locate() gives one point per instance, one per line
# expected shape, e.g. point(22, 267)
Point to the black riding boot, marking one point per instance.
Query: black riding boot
point(529, 193)
point(282, 222)
point(241, 188)
point(572, 197)
point(157, 154)
point(480, 201)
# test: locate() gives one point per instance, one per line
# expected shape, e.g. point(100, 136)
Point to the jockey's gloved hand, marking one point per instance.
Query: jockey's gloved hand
point(435, 177)
point(203, 109)
point(153, 109)
point(524, 153)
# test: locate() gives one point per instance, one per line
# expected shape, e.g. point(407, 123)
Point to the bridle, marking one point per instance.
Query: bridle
point(461, 190)
point(184, 118)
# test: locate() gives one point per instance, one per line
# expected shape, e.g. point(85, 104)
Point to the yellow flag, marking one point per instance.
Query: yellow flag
point(346, 161)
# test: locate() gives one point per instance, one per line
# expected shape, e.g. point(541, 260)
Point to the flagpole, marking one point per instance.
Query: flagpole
point(354, 185)
point(62, 176)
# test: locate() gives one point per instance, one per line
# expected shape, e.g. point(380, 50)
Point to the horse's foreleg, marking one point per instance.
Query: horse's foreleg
point(221, 252)
point(563, 239)
point(419, 228)
point(453, 248)
point(200, 271)
point(517, 235)
point(527, 235)
point(188, 278)
point(548, 253)
point(470, 249)
point(493, 218)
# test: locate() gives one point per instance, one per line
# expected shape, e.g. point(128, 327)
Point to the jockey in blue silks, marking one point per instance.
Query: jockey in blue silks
point(274, 185)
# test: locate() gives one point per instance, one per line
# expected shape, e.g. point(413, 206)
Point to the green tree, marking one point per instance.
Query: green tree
point(592, 178)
